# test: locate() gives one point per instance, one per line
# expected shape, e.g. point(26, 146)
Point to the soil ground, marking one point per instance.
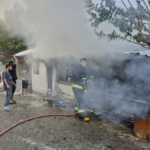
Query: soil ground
point(61, 133)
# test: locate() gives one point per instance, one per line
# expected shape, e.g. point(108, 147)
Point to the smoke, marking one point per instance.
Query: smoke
point(59, 29)
point(5, 6)
point(123, 84)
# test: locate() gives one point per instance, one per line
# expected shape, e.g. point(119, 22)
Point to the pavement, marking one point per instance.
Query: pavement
point(61, 133)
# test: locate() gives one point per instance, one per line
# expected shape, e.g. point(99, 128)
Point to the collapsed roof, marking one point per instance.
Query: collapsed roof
point(144, 53)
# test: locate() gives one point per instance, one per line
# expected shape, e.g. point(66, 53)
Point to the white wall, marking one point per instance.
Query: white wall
point(54, 74)
point(39, 82)
point(66, 89)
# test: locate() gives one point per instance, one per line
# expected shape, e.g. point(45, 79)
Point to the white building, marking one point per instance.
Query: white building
point(44, 78)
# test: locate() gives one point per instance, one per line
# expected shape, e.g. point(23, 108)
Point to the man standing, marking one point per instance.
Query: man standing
point(25, 76)
point(14, 76)
point(79, 82)
point(7, 79)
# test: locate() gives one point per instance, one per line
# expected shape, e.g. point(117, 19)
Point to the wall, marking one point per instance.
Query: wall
point(39, 82)
point(66, 89)
point(54, 74)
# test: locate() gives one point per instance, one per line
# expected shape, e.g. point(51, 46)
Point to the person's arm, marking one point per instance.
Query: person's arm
point(5, 81)
point(0, 78)
point(12, 58)
point(14, 84)
point(16, 60)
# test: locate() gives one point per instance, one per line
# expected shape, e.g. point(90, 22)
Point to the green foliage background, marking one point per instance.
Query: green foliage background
point(9, 45)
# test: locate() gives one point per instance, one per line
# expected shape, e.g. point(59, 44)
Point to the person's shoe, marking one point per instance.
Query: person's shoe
point(6, 108)
point(10, 107)
point(86, 119)
point(12, 102)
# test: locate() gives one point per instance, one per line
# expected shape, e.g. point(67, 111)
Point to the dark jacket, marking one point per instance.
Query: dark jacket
point(13, 72)
point(79, 75)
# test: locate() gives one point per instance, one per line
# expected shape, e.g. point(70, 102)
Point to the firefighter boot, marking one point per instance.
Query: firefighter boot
point(76, 111)
point(76, 115)
point(85, 119)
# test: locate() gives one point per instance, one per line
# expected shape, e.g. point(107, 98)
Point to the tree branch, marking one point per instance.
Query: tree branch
point(134, 21)
point(147, 36)
point(125, 23)
point(143, 7)
point(146, 7)
point(144, 18)
point(137, 13)
point(130, 41)
point(138, 16)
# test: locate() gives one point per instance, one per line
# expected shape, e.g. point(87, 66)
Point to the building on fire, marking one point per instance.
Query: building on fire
point(46, 79)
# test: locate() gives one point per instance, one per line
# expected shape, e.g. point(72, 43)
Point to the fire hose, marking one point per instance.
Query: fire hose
point(49, 115)
point(6, 55)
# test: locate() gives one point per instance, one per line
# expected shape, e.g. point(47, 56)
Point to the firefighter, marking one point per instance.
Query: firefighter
point(79, 82)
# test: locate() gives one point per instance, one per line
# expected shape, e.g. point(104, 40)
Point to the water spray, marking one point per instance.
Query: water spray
point(22, 53)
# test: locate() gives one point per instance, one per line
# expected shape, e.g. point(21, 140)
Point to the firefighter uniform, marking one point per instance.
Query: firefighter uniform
point(79, 81)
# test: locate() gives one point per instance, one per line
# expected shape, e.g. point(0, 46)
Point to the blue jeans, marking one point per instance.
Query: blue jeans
point(8, 96)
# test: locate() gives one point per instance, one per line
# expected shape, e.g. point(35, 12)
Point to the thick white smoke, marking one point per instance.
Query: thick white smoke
point(59, 28)
point(55, 28)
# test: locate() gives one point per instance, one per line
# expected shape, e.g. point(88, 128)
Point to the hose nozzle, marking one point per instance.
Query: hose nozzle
point(13, 55)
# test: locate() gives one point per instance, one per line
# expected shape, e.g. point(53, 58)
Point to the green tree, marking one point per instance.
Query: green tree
point(133, 23)
point(10, 43)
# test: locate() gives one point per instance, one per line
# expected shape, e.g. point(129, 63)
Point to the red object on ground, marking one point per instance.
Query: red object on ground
point(50, 115)
point(142, 128)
